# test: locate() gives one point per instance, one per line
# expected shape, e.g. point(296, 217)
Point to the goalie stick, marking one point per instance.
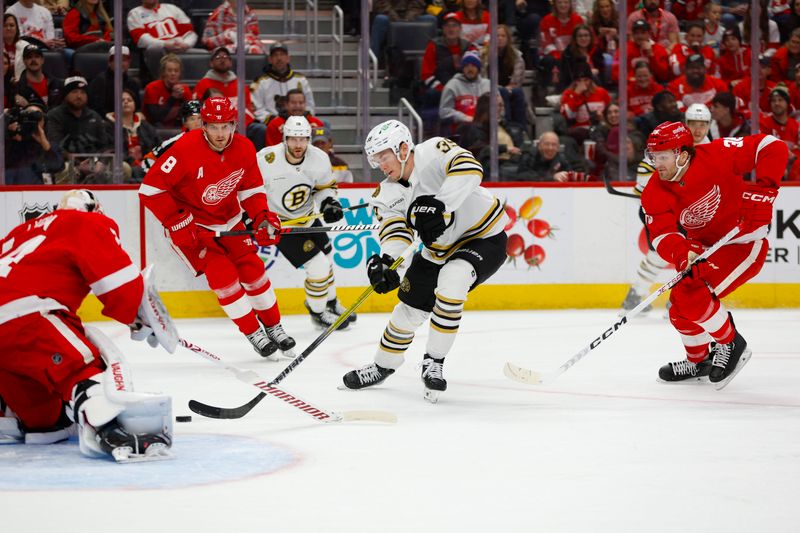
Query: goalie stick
point(238, 412)
point(532, 377)
point(303, 229)
point(252, 378)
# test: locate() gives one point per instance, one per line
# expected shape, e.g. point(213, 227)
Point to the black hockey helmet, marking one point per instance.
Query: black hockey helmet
point(189, 108)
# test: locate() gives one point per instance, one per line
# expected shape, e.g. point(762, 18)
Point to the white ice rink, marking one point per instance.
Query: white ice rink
point(604, 449)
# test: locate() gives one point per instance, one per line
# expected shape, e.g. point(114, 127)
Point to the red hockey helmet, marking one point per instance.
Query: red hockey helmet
point(669, 136)
point(218, 109)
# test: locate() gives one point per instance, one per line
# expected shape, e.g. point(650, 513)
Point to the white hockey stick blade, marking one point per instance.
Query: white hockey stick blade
point(523, 375)
point(156, 313)
point(386, 417)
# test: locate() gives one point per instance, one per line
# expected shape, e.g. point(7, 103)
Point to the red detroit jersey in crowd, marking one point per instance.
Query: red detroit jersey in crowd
point(707, 201)
point(208, 184)
point(53, 261)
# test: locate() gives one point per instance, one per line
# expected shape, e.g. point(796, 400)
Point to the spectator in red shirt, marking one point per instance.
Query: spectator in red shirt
point(642, 48)
point(87, 27)
point(33, 85)
point(728, 122)
point(696, 87)
point(694, 45)
point(556, 33)
point(642, 90)
point(663, 24)
point(295, 107)
point(742, 89)
point(474, 22)
point(220, 29)
point(158, 29)
point(787, 57)
point(583, 103)
point(164, 97)
point(779, 123)
point(442, 60)
point(688, 9)
point(734, 58)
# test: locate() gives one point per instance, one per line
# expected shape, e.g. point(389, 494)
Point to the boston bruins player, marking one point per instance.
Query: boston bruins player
point(433, 189)
point(296, 174)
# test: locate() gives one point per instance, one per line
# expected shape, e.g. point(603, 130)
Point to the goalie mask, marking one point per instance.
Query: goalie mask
point(80, 200)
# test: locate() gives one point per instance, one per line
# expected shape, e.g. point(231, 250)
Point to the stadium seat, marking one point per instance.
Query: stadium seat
point(411, 37)
point(195, 66)
point(55, 64)
point(90, 64)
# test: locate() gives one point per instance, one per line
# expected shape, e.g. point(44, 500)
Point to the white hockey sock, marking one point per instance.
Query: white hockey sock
point(319, 279)
point(455, 279)
point(398, 335)
point(647, 273)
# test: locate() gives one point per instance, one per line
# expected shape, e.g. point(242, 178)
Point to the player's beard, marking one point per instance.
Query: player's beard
point(213, 146)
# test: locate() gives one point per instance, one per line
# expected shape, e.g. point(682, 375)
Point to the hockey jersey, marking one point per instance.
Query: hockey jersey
point(687, 95)
point(452, 175)
point(164, 23)
point(271, 85)
point(293, 189)
point(213, 186)
point(706, 203)
point(53, 261)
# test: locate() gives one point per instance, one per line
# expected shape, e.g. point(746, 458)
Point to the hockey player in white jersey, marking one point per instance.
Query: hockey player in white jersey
point(434, 189)
point(698, 121)
point(297, 175)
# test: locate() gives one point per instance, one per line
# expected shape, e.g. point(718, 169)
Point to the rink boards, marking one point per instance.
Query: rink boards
point(571, 246)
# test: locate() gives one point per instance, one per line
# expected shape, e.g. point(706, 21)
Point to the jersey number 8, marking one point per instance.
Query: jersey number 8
point(169, 164)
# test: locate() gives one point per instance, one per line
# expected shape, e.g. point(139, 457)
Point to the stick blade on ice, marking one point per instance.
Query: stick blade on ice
point(522, 375)
point(369, 416)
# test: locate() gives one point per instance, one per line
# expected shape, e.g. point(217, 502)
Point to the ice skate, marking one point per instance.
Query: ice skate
point(685, 371)
point(125, 447)
point(283, 341)
point(326, 318)
point(728, 360)
point(335, 307)
point(433, 378)
point(632, 299)
point(263, 345)
point(367, 376)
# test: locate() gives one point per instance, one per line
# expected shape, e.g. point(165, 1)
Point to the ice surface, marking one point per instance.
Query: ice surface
point(604, 449)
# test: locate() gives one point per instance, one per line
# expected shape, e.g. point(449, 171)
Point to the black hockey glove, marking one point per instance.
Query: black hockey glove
point(382, 278)
point(331, 210)
point(428, 215)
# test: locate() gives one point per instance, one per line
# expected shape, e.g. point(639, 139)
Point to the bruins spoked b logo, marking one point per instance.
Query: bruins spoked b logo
point(308, 246)
point(296, 197)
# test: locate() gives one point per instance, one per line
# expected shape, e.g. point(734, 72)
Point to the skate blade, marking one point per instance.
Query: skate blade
point(698, 379)
point(154, 453)
point(745, 357)
point(288, 354)
point(432, 395)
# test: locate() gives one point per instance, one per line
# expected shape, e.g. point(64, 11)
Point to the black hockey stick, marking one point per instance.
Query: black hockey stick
point(302, 229)
point(238, 412)
point(524, 375)
point(617, 192)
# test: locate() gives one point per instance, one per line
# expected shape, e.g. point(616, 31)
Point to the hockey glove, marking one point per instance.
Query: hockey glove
point(757, 205)
point(141, 332)
point(331, 210)
point(427, 214)
point(685, 259)
point(267, 228)
point(382, 278)
point(182, 230)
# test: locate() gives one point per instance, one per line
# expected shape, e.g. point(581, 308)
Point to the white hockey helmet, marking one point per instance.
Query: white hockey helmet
point(698, 112)
point(80, 200)
point(389, 134)
point(296, 127)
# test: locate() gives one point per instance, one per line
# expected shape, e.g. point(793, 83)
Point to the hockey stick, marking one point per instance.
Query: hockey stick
point(524, 375)
point(315, 216)
point(252, 378)
point(239, 412)
point(303, 229)
point(617, 192)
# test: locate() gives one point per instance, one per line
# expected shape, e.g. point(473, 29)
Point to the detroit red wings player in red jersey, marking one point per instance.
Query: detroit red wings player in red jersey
point(51, 370)
point(201, 185)
point(699, 196)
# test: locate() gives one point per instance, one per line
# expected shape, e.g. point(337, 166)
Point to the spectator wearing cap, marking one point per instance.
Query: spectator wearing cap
point(138, 137)
point(787, 57)
point(642, 90)
point(33, 85)
point(101, 88)
point(694, 45)
point(695, 86)
point(388, 11)
point(778, 121)
point(442, 59)
point(321, 138)
point(147, 23)
point(276, 81)
point(734, 57)
point(37, 22)
point(87, 27)
point(583, 103)
point(555, 35)
point(642, 48)
point(663, 24)
point(460, 94)
point(74, 126)
point(765, 85)
point(295, 107)
point(164, 97)
point(727, 121)
point(31, 158)
point(220, 29)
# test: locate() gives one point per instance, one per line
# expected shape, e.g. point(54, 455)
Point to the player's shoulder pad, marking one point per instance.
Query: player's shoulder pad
point(268, 154)
point(317, 155)
point(388, 195)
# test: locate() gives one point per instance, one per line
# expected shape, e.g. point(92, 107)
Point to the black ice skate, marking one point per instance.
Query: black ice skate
point(632, 299)
point(326, 318)
point(335, 307)
point(127, 447)
point(433, 378)
point(685, 370)
point(728, 360)
point(283, 341)
point(263, 345)
point(367, 376)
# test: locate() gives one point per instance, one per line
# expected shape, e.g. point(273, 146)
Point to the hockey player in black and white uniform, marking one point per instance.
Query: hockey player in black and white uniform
point(297, 175)
point(434, 189)
point(190, 116)
point(698, 121)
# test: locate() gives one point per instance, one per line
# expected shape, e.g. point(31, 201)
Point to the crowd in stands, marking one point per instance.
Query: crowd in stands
point(562, 56)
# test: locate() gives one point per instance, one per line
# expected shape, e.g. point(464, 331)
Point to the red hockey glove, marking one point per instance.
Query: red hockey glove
point(757, 205)
point(684, 257)
point(182, 230)
point(267, 228)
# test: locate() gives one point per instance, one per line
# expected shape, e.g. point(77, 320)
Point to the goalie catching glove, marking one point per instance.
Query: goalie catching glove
point(426, 213)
